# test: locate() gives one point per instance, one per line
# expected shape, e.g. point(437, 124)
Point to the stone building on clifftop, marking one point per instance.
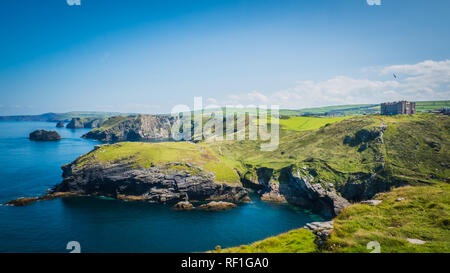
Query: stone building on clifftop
point(398, 108)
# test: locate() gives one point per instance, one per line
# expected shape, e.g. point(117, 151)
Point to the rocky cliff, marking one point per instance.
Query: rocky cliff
point(165, 183)
point(77, 123)
point(133, 128)
point(293, 185)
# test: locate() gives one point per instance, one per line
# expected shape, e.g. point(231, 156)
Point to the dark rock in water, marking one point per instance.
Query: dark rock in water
point(214, 206)
point(156, 184)
point(75, 123)
point(23, 201)
point(183, 205)
point(60, 124)
point(43, 135)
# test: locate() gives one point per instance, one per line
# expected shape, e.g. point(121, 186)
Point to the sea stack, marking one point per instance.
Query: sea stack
point(60, 124)
point(43, 135)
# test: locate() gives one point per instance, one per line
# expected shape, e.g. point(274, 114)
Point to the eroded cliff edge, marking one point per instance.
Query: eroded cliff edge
point(165, 183)
point(153, 172)
point(133, 128)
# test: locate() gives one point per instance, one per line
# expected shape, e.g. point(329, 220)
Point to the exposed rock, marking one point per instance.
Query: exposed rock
point(435, 145)
point(314, 196)
point(273, 195)
point(157, 184)
point(28, 200)
point(372, 202)
point(60, 124)
point(183, 205)
point(259, 179)
point(322, 230)
point(415, 241)
point(363, 136)
point(298, 189)
point(214, 206)
point(400, 199)
point(363, 186)
point(43, 135)
point(77, 123)
point(133, 128)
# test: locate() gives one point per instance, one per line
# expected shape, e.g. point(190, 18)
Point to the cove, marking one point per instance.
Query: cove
point(29, 168)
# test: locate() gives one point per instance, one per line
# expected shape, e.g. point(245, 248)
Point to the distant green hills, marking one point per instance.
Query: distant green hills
point(361, 109)
point(55, 117)
point(339, 110)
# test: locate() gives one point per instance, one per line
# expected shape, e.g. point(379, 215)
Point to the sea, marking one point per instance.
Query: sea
point(103, 225)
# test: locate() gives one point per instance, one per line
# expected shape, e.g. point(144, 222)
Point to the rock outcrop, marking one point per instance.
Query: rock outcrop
point(60, 124)
point(215, 206)
point(312, 195)
point(321, 230)
point(273, 194)
point(23, 201)
point(134, 128)
point(183, 205)
point(156, 184)
point(292, 186)
point(43, 135)
point(372, 202)
point(77, 123)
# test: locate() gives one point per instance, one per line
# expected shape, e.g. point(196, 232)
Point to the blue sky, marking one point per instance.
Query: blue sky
point(148, 56)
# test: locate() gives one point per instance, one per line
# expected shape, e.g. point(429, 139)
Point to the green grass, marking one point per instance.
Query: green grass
point(432, 105)
point(323, 149)
point(294, 241)
point(424, 215)
point(150, 154)
point(307, 123)
point(415, 151)
point(360, 109)
point(113, 121)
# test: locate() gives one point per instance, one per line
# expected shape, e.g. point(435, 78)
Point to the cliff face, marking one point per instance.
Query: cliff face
point(141, 127)
point(77, 123)
point(165, 183)
point(294, 186)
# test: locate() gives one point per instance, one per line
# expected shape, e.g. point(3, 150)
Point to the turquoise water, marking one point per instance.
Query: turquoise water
point(29, 168)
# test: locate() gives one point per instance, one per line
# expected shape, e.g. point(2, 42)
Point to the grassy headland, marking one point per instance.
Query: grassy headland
point(400, 150)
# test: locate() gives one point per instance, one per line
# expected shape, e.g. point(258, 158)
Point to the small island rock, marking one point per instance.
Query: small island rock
point(43, 135)
point(214, 206)
point(183, 205)
point(60, 124)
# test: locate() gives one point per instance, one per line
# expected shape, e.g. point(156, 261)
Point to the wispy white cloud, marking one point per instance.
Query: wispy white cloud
point(428, 80)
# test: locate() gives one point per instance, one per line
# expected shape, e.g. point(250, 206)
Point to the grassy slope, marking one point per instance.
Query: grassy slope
point(333, 159)
point(294, 241)
point(416, 150)
point(113, 121)
point(408, 149)
point(148, 154)
point(424, 215)
point(307, 123)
